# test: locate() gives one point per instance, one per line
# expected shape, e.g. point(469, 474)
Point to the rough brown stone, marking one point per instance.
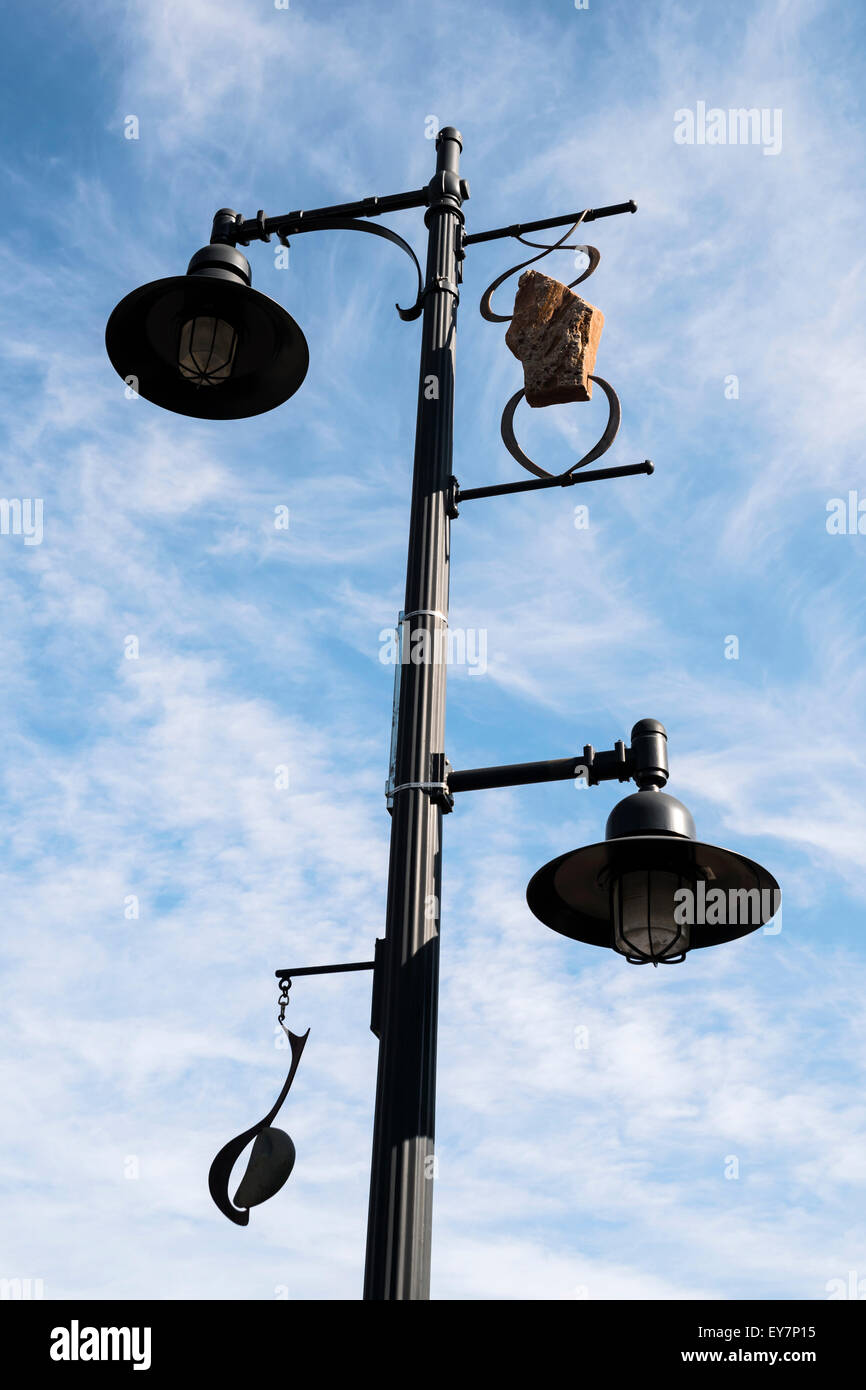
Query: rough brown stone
point(555, 334)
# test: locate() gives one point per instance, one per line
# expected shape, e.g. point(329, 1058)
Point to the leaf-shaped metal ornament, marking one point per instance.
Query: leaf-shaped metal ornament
point(270, 1163)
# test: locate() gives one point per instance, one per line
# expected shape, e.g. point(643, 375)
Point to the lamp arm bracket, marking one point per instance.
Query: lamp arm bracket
point(645, 762)
point(240, 231)
point(234, 227)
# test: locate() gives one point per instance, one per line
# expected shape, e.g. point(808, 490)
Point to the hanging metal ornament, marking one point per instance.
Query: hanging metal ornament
point(507, 423)
point(273, 1153)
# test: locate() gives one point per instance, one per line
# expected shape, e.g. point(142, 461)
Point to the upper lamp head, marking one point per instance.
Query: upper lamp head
point(651, 891)
point(206, 344)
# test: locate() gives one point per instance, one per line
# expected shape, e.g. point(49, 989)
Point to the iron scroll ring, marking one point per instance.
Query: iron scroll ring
point(604, 443)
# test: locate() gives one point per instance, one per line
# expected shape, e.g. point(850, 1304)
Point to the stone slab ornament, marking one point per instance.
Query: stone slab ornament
point(555, 334)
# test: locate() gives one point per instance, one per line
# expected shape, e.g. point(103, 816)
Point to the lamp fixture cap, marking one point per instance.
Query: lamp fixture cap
point(650, 812)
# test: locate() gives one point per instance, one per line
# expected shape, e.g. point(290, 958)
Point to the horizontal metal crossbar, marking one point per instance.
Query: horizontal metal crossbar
point(325, 969)
point(518, 228)
point(564, 480)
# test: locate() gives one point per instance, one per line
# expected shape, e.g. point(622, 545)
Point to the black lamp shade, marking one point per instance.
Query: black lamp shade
point(651, 890)
point(574, 894)
point(206, 344)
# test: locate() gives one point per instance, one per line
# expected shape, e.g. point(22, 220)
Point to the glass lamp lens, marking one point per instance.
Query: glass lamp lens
point(207, 351)
point(643, 906)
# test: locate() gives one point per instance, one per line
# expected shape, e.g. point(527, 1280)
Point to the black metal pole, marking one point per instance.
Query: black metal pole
point(401, 1179)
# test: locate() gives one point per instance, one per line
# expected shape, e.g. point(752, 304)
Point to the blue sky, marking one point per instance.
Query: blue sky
point(140, 1045)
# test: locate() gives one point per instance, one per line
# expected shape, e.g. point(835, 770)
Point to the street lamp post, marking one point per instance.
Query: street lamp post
point(401, 1186)
point(208, 346)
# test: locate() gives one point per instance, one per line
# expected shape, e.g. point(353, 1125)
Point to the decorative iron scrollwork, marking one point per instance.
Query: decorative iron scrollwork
point(354, 224)
point(610, 433)
point(561, 245)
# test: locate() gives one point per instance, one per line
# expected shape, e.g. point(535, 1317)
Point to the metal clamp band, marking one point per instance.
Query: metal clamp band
point(424, 613)
point(417, 786)
point(440, 282)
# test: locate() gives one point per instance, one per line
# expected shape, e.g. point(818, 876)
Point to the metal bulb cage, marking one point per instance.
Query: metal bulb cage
point(592, 894)
point(206, 352)
point(206, 344)
point(646, 928)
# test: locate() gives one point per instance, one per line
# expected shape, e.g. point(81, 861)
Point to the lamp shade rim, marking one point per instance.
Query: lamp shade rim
point(571, 894)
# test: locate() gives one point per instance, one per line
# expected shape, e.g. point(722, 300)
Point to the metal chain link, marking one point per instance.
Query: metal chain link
point(283, 1001)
